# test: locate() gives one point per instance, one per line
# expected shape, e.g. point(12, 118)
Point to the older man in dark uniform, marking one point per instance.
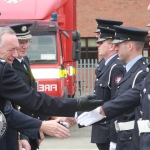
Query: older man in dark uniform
point(16, 91)
point(130, 44)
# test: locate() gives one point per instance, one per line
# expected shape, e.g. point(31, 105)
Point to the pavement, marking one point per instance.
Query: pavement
point(79, 140)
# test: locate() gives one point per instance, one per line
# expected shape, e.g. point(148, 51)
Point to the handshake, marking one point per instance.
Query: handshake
point(84, 103)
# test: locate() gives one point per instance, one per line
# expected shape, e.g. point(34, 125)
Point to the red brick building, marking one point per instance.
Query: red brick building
point(131, 12)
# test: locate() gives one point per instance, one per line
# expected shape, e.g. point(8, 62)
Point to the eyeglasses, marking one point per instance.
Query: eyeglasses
point(22, 43)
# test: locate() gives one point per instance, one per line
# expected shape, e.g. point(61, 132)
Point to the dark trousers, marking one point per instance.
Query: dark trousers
point(103, 146)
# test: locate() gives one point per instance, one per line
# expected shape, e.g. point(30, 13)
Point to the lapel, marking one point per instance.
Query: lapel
point(18, 65)
point(108, 65)
point(101, 64)
point(132, 70)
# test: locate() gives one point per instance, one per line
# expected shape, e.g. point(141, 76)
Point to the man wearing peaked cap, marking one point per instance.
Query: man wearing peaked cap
point(107, 33)
point(130, 37)
point(109, 25)
point(129, 44)
point(106, 83)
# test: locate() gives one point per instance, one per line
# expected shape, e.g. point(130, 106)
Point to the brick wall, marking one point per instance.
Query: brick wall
point(131, 12)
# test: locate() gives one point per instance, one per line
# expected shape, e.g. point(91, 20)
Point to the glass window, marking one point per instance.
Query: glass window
point(88, 49)
point(43, 49)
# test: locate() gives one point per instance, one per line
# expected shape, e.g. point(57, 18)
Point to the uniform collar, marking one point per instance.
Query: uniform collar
point(107, 61)
point(132, 62)
point(20, 59)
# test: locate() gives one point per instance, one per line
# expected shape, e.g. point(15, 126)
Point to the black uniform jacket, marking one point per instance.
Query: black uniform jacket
point(17, 121)
point(105, 88)
point(99, 67)
point(130, 79)
point(132, 98)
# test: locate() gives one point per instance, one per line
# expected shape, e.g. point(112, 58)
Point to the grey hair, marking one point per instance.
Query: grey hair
point(4, 30)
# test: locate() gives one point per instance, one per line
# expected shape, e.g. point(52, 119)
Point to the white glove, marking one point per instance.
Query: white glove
point(88, 118)
point(112, 146)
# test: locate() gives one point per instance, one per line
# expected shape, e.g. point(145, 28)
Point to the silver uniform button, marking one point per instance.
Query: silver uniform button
point(32, 114)
point(140, 95)
point(144, 63)
point(141, 112)
point(144, 91)
point(148, 96)
point(38, 117)
point(147, 69)
point(130, 138)
point(118, 87)
point(96, 79)
point(100, 84)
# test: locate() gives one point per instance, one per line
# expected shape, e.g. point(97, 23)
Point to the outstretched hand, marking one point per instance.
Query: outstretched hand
point(88, 118)
point(53, 128)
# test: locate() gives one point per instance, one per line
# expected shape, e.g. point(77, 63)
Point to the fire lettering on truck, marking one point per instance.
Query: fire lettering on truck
point(47, 87)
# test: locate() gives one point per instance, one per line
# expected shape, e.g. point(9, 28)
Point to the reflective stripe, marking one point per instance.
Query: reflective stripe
point(48, 73)
point(71, 70)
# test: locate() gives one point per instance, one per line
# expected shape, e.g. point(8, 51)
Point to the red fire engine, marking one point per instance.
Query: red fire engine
point(55, 46)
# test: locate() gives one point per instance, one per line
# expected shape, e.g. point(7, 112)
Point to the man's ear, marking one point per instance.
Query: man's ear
point(130, 46)
point(112, 46)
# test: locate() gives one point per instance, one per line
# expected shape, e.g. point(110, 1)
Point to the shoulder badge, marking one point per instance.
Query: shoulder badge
point(3, 125)
point(117, 79)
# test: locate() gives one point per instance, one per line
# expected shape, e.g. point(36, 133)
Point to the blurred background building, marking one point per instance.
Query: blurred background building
point(132, 12)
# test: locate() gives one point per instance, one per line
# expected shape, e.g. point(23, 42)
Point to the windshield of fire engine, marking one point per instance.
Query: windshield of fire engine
point(42, 49)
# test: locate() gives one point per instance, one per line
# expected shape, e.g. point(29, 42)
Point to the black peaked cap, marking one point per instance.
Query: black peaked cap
point(129, 34)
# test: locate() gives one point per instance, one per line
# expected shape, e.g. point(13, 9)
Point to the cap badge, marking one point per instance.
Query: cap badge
point(24, 28)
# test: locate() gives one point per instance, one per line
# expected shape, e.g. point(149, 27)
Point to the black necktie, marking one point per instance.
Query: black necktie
point(22, 62)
